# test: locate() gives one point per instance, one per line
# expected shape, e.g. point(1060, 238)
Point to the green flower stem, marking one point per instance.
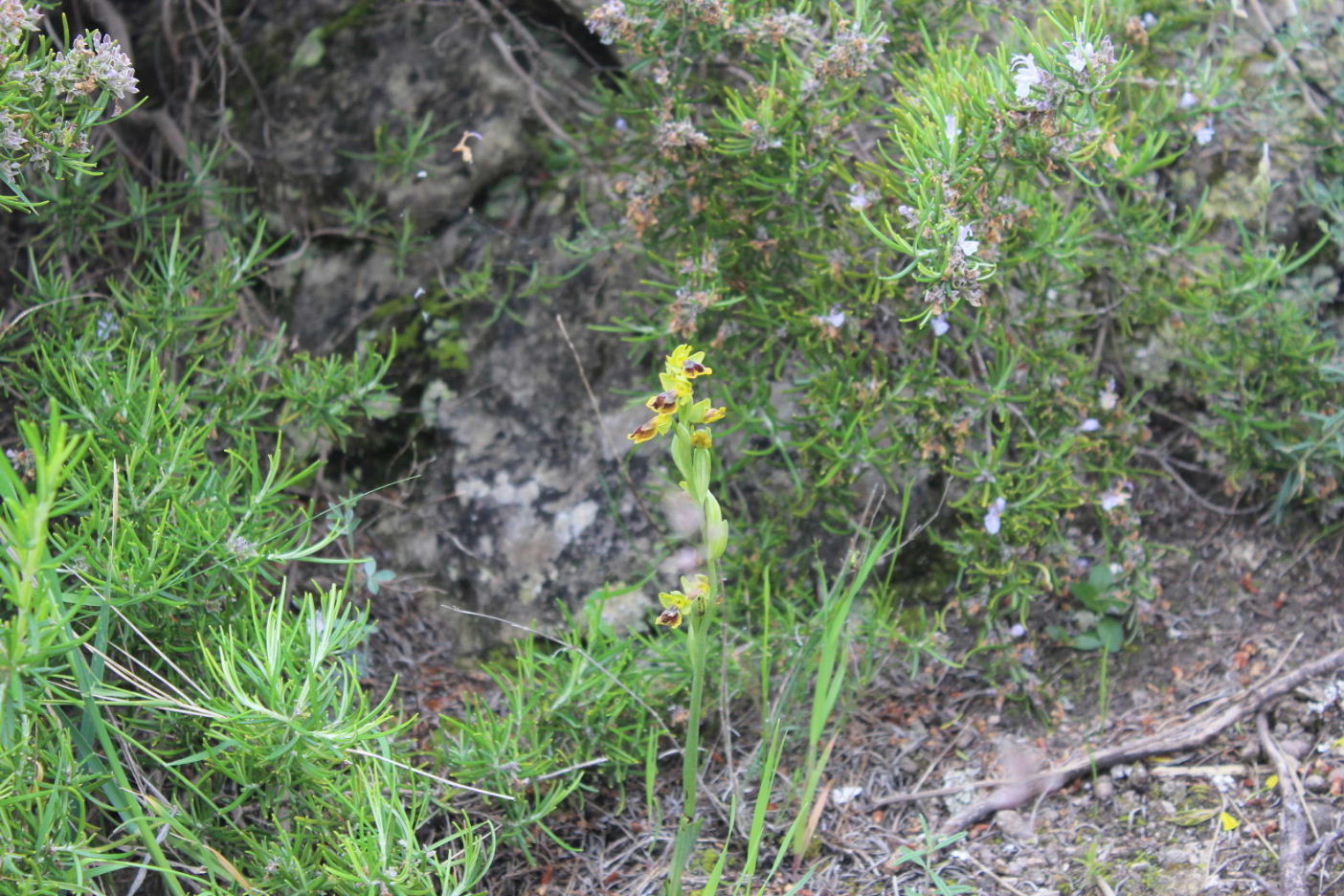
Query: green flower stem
point(699, 626)
point(698, 644)
point(688, 828)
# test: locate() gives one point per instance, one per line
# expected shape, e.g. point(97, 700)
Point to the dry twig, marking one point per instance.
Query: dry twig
point(1293, 826)
point(1294, 70)
point(602, 432)
point(1199, 730)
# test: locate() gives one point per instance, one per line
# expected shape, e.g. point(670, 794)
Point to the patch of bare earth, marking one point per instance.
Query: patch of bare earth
point(1216, 765)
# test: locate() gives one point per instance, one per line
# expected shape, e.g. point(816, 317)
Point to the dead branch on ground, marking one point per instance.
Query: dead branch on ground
point(1220, 715)
point(1293, 825)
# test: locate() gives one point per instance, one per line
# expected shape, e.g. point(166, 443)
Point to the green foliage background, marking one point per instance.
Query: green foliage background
point(959, 242)
point(965, 275)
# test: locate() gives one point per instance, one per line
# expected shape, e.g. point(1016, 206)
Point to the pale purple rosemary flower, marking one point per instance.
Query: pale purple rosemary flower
point(1108, 396)
point(93, 63)
point(1116, 496)
point(111, 66)
point(852, 55)
point(611, 22)
point(1026, 75)
point(993, 521)
point(859, 198)
point(835, 319)
point(676, 135)
point(11, 136)
point(965, 244)
point(776, 27)
point(1086, 56)
point(1081, 55)
point(15, 19)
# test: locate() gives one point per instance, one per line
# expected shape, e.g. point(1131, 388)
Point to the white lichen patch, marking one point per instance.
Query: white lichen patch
point(498, 491)
point(570, 523)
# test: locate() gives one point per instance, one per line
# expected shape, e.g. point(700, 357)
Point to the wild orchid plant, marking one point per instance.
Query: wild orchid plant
point(677, 411)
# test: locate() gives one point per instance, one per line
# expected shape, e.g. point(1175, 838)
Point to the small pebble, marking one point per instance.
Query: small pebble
point(1014, 825)
point(1316, 783)
point(1173, 856)
point(1323, 815)
point(1295, 747)
point(1104, 789)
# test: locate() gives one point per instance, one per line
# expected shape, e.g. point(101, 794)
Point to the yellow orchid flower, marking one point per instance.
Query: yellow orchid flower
point(686, 362)
point(655, 427)
point(677, 603)
point(701, 412)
